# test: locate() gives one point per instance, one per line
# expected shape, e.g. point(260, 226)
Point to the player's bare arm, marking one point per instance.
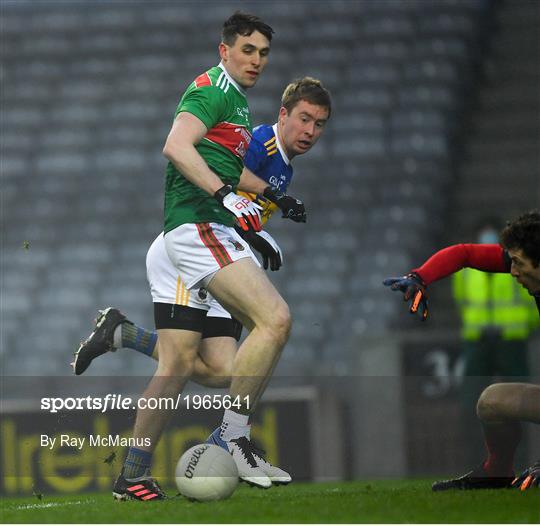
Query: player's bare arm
point(249, 182)
point(187, 131)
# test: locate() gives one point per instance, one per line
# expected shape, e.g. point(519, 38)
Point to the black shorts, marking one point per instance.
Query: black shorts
point(171, 316)
point(215, 327)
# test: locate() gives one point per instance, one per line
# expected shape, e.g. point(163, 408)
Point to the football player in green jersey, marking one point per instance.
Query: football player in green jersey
point(205, 149)
point(305, 108)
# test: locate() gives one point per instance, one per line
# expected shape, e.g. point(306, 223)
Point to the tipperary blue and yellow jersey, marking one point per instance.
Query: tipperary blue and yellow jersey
point(266, 158)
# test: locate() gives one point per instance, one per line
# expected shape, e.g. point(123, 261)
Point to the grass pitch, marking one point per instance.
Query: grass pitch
point(348, 502)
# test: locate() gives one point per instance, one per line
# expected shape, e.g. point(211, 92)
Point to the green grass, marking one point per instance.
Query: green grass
point(360, 502)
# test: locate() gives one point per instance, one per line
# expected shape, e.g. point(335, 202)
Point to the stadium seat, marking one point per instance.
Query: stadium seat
point(84, 172)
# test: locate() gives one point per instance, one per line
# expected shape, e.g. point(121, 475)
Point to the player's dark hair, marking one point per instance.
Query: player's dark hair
point(243, 24)
point(309, 89)
point(524, 234)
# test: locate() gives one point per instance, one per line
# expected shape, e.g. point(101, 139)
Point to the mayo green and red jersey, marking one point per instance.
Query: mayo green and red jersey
point(221, 104)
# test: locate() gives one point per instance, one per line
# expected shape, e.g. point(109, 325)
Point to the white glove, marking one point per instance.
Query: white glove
point(246, 211)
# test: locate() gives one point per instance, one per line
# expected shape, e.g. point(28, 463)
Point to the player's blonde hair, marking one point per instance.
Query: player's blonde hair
point(309, 89)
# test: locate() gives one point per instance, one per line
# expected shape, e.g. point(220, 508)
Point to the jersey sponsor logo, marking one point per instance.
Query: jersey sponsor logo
point(231, 136)
point(277, 183)
point(203, 80)
point(244, 113)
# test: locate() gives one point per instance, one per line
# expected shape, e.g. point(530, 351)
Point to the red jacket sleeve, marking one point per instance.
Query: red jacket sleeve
point(489, 258)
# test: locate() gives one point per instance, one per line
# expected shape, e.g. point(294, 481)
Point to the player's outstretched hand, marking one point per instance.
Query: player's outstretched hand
point(290, 207)
point(246, 212)
point(414, 290)
point(266, 245)
point(530, 478)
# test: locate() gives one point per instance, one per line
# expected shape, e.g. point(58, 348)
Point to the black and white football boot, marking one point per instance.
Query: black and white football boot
point(100, 341)
point(253, 468)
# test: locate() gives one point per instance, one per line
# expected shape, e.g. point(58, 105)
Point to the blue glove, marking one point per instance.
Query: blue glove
point(414, 290)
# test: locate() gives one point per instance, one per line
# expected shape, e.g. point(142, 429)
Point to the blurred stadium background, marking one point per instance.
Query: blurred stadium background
point(435, 123)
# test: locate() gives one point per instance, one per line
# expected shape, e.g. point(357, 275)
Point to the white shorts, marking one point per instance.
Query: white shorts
point(216, 310)
point(166, 285)
point(167, 282)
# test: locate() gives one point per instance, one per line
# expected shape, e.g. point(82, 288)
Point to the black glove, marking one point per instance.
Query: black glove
point(530, 478)
point(291, 207)
point(413, 288)
point(246, 212)
point(264, 243)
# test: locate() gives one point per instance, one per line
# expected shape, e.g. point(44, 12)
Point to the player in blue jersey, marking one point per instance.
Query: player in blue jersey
point(305, 109)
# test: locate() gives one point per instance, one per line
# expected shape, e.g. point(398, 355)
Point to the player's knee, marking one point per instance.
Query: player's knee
point(180, 367)
point(281, 321)
point(221, 373)
point(490, 406)
point(221, 381)
point(174, 363)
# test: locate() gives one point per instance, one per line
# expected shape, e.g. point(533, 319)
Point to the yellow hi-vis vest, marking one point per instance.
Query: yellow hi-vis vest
point(493, 300)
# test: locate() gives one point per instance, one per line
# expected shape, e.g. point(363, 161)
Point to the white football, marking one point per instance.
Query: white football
point(206, 472)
